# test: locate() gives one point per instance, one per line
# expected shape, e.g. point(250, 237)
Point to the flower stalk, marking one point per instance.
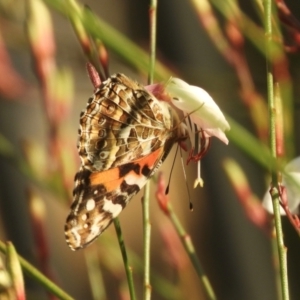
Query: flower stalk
point(166, 207)
point(38, 276)
point(275, 192)
point(15, 271)
point(146, 199)
point(128, 269)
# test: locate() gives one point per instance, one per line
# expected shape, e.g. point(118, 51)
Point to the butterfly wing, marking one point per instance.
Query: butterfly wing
point(99, 197)
point(122, 122)
point(125, 134)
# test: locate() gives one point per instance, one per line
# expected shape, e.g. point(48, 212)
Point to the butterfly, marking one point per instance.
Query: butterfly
point(125, 134)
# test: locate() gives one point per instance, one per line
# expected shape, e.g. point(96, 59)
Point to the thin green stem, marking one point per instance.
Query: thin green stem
point(39, 277)
point(147, 235)
point(112, 39)
point(268, 8)
point(189, 247)
point(282, 250)
point(94, 273)
point(146, 198)
point(128, 269)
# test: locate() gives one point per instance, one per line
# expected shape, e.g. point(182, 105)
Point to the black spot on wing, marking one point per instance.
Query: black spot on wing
point(125, 169)
point(146, 171)
point(71, 219)
point(82, 180)
point(130, 189)
point(83, 174)
point(99, 189)
point(121, 199)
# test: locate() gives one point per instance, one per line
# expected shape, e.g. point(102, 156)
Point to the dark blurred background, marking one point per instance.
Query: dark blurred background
point(236, 255)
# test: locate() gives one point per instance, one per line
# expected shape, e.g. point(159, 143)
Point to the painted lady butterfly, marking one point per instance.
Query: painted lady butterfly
point(125, 134)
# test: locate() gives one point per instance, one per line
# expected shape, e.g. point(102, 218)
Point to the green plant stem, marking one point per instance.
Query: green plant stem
point(111, 38)
point(268, 8)
point(146, 198)
point(128, 269)
point(146, 234)
point(167, 289)
point(39, 277)
point(189, 247)
point(276, 261)
point(94, 273)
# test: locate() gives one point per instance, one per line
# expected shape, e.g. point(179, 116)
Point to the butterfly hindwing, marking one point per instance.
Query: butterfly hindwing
point(100, 197)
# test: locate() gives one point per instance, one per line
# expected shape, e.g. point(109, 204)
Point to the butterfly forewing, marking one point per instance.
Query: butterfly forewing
point(125, 134)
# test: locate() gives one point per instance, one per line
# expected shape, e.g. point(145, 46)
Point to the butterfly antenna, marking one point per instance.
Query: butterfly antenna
point(185, 179)
point(168, 186)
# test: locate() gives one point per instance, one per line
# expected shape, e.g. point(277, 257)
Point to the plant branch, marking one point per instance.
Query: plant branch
point(128, 269)
point(275, 194)
point(39, 277)
point(189, 247)
point(146, 198)
point(146, 234)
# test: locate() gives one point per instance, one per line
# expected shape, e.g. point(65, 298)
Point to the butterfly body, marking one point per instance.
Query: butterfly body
point(125, 134)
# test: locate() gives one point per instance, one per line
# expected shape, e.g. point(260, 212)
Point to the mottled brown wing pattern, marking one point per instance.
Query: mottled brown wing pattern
point(125, 134)
point(122, 122)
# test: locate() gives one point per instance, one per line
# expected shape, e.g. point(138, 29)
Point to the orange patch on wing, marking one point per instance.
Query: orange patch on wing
point(110, 178)
point(151, 159)
point(104, 176)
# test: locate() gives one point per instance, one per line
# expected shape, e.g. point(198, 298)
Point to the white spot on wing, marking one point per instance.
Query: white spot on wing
point(90, 204)
point(78, 203)
point(134, 179)
point(114, 209)
point(77, 238)
point(94, 231)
